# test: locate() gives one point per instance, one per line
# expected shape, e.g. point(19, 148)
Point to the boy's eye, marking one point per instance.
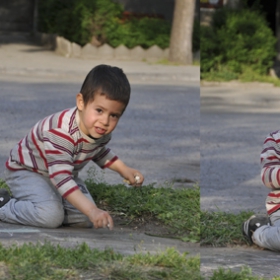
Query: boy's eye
point(98, 110)
point(115, 116)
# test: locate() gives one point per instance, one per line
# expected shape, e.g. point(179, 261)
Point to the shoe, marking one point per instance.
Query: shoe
point(253, 223)
point(4, 197)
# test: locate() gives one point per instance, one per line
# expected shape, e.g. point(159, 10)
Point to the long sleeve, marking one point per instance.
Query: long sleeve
point(56, 148)
point(270, 161)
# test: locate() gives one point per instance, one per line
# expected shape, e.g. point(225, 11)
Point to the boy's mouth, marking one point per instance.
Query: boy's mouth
point(100, 130)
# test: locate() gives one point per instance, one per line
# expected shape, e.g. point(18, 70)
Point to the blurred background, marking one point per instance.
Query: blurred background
point(130, 23)
point(240, 40)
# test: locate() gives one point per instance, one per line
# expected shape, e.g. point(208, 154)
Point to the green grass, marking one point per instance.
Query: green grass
point(49, 262)
point(244, 274)
point(222, 229)
point(165, 61)
point(177, 209)
point(225, 75)
point(54, 262)
point(227, 274)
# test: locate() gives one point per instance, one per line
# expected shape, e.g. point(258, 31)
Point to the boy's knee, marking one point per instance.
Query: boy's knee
point(51, 215)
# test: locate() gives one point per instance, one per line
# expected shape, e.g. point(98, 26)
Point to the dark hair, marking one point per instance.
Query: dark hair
point(106, 80)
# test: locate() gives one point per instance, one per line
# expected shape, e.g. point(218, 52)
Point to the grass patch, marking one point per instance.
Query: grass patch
point(177, 209)
point(222, 229)
point(54, 262)
point(225, 75)
point(165, 61)
point(227, 274)
point(3, 185)
point(244, 274)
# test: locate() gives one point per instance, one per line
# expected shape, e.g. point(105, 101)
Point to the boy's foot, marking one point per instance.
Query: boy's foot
point(253, 223)
point(4, 197)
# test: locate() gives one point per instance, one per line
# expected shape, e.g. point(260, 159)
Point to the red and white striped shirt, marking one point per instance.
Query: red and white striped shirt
point(270, 173)
point(56, 148)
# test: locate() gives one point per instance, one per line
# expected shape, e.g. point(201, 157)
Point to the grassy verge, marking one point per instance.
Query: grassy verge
point(49, 262)
point(178, 210)
point(248, 76)
point(222, 229)
point(244, 274)
point(228, 274)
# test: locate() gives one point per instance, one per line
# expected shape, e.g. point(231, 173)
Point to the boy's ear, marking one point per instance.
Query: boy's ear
point(80, 101)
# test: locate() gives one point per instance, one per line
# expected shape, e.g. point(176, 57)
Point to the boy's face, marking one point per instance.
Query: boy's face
point(100, 116)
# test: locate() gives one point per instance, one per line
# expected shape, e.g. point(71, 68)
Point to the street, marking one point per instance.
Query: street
point(158, 133)
point(235, 119)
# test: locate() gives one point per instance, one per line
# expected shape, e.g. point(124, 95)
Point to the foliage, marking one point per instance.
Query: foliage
point(196, 36)
point(144, 32)
point(80, 21)
point(69, 18)
point(237, 39)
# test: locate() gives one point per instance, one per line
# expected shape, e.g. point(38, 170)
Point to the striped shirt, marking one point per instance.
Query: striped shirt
point(270, 172)
point(56, 148)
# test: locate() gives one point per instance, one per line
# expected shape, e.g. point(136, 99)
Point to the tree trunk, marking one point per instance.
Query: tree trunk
point(180, 50)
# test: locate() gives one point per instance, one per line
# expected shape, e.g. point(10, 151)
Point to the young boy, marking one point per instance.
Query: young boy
point(42, 170)
point(264, 230)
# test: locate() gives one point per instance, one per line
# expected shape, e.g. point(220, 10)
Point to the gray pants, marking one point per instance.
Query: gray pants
point(36, 202)
point(269, 236)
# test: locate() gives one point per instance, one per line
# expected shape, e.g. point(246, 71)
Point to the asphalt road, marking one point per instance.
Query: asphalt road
point(158, 133)
point(235, 119)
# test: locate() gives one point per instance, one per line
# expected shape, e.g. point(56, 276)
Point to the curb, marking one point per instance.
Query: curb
point(66, 48)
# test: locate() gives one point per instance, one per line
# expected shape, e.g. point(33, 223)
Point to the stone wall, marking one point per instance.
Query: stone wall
point(69, 49)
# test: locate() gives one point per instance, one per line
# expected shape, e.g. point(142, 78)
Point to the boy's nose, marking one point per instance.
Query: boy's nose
point(105, 120)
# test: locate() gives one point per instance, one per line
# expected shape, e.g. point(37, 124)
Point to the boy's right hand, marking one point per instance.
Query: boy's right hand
point(101, 219)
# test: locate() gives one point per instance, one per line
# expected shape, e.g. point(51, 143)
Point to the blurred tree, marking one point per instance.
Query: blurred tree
point(181, 34)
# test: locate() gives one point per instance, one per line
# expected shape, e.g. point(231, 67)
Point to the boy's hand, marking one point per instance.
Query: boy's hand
point(133, 177)
point(101, 219)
